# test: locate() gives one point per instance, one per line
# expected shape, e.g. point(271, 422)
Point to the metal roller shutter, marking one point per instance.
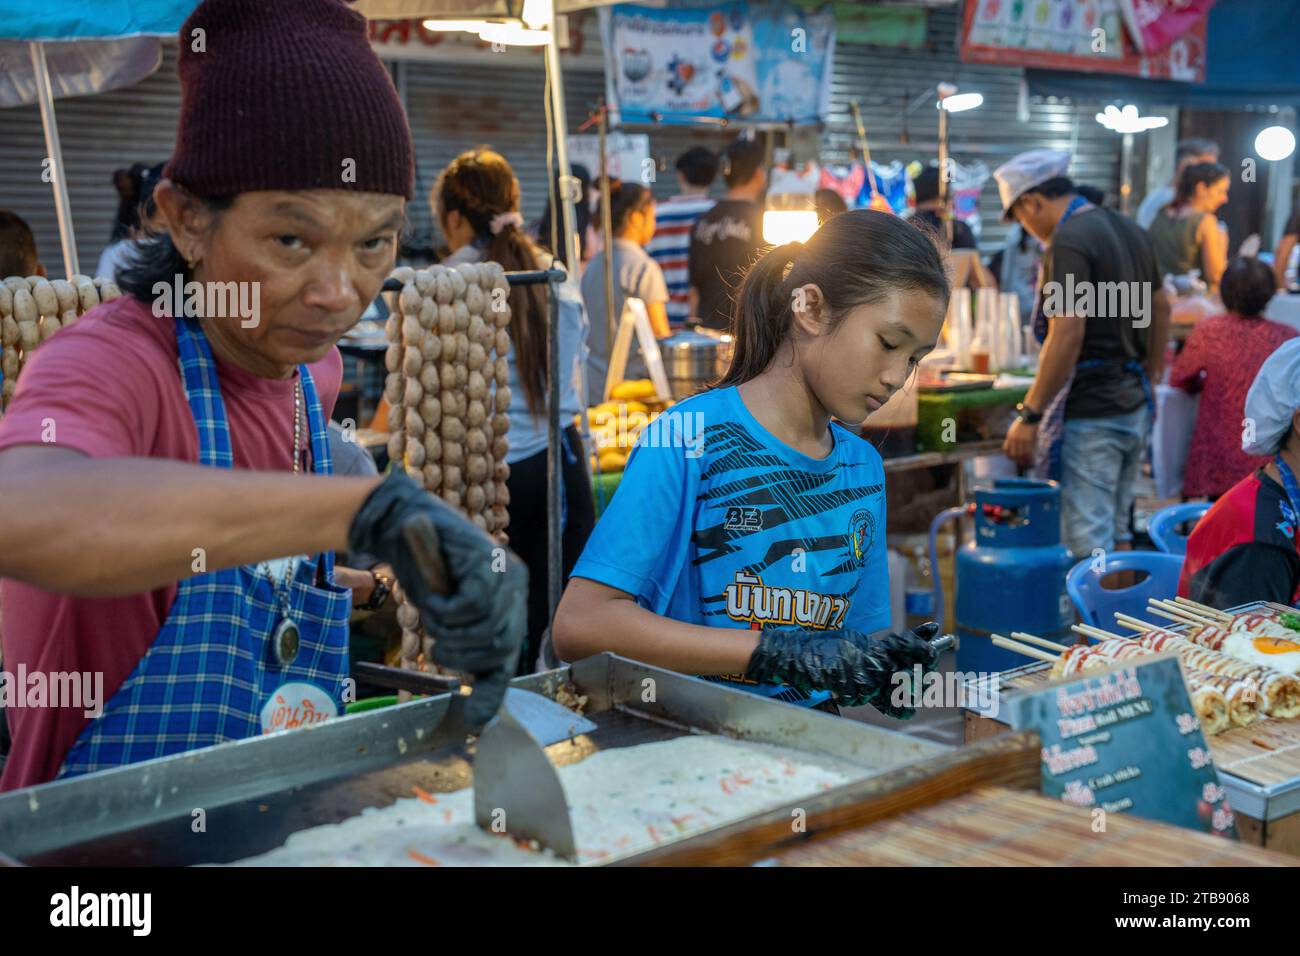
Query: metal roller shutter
point(884, 79)
point(99, 134)
point(502, 108)
point(455, 106)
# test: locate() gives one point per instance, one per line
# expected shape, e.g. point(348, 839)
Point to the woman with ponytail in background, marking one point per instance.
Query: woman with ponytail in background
point(476, 203)
point(1186, 234)
point(746, 542)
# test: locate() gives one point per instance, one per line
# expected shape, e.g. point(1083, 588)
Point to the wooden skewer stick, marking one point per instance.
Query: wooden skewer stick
point(1281, 608)
point(1179, 617)
point(1090, 631)
point(1025, 649)
point(1134, 624)
point(1191, 616)
point(1040, 641)
point(1204, 609)
point(1175, 608)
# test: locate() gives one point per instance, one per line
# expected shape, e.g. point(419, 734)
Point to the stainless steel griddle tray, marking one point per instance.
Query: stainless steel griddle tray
point(239, 799)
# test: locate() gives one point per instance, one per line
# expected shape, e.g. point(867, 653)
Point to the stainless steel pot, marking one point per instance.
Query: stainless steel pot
point(694, 358)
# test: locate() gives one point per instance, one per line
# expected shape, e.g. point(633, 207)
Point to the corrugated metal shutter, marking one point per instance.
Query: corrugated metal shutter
point(99, 134)
point(502, 108)
point(883, 80)
point(455, 106)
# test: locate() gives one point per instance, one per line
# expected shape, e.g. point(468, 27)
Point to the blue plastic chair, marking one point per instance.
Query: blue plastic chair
point(1097, 605)
point(1165, 523)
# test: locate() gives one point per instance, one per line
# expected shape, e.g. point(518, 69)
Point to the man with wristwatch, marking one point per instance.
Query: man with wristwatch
point(1102, 319)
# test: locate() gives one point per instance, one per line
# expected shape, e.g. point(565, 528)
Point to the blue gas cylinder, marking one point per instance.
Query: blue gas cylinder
point(1012, 576)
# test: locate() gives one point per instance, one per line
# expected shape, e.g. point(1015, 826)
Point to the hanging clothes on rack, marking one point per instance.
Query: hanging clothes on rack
point(892, 182)
point(966, 184)
point(845, 180)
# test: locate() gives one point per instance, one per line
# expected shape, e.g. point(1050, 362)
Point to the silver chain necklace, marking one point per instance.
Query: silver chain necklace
point(285, 640)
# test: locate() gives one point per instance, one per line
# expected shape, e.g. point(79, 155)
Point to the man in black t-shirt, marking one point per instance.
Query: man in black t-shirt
point(1086, 417)
point(727, 239)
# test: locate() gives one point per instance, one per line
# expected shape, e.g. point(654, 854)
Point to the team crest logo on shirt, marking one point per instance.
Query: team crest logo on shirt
point(1288, 522)
point(744, 519)
point(862, 533)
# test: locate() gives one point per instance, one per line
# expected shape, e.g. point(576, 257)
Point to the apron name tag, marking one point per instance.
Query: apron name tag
point(297, 704)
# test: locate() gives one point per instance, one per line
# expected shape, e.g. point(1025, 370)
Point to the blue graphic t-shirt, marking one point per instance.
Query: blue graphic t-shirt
point(716, 522)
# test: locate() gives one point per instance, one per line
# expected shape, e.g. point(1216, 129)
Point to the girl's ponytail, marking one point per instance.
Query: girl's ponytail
point(855, 258)
point(760, 320)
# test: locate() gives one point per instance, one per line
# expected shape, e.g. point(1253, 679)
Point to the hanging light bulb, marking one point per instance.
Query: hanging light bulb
point(451, 26)
point(512, 34)
point(960, 102)
point(537, 13)
point(789, 217)
point(1127, 120)
point(1275, 143)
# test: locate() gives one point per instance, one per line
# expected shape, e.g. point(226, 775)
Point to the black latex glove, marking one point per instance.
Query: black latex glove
point(478, 626)
point(907, 650)
point(852, 666)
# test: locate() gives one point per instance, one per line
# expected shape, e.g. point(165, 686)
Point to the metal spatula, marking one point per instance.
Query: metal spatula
point(516, 787)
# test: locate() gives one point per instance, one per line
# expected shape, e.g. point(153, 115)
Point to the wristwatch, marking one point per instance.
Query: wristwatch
point(379, 594)
point(1028, 415)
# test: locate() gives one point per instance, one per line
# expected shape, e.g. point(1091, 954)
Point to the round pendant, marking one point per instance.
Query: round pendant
point(286, 642)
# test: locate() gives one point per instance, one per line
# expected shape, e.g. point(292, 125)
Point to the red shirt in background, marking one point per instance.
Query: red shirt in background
point(111, 386)
point(1246, 548)
point(1220, 360)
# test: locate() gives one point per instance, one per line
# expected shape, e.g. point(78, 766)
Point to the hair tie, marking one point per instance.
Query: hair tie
point(503, 219)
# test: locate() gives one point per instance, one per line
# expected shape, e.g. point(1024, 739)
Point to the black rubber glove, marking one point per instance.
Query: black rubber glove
point(906, 651)
point(478, 625)
point(852, 666)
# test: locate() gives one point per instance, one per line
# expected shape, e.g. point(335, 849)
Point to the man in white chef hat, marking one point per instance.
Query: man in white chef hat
point(1247, 547)
point(1102, 319)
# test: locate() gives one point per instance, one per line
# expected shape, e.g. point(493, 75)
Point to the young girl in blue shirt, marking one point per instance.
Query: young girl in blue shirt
point(746, 541)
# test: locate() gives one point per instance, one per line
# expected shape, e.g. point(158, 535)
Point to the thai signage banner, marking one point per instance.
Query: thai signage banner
point(748, 63)
point(1085, 35)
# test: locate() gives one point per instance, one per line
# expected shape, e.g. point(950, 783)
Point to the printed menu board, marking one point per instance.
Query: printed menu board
point(1126, 740)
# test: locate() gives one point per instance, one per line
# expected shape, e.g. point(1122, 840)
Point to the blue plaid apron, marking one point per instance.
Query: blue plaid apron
point(1051, 430)
point(211, 674)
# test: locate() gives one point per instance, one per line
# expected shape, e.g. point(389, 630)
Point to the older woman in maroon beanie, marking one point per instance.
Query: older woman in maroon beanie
point(170, 514)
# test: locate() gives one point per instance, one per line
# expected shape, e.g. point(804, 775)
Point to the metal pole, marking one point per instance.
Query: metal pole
point(1126, 172)
point(606, 232)
point(554, 454)
point(62, 209)
point(863, 148)
point(943, 173)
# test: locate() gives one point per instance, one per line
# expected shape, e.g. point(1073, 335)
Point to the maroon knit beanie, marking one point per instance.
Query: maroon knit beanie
point(281, 94)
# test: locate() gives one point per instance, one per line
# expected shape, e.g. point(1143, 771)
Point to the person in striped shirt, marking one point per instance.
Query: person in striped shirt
point(670, 247)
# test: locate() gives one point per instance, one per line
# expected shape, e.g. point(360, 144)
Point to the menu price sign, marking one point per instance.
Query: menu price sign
point(1127, 740)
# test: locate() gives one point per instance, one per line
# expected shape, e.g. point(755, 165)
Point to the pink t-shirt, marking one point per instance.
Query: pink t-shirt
point(111, 386)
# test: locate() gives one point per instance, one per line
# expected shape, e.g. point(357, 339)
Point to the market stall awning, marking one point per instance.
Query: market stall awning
point(76, 69)
point(1250, 60)
point(92, 19)
point(77, 48)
